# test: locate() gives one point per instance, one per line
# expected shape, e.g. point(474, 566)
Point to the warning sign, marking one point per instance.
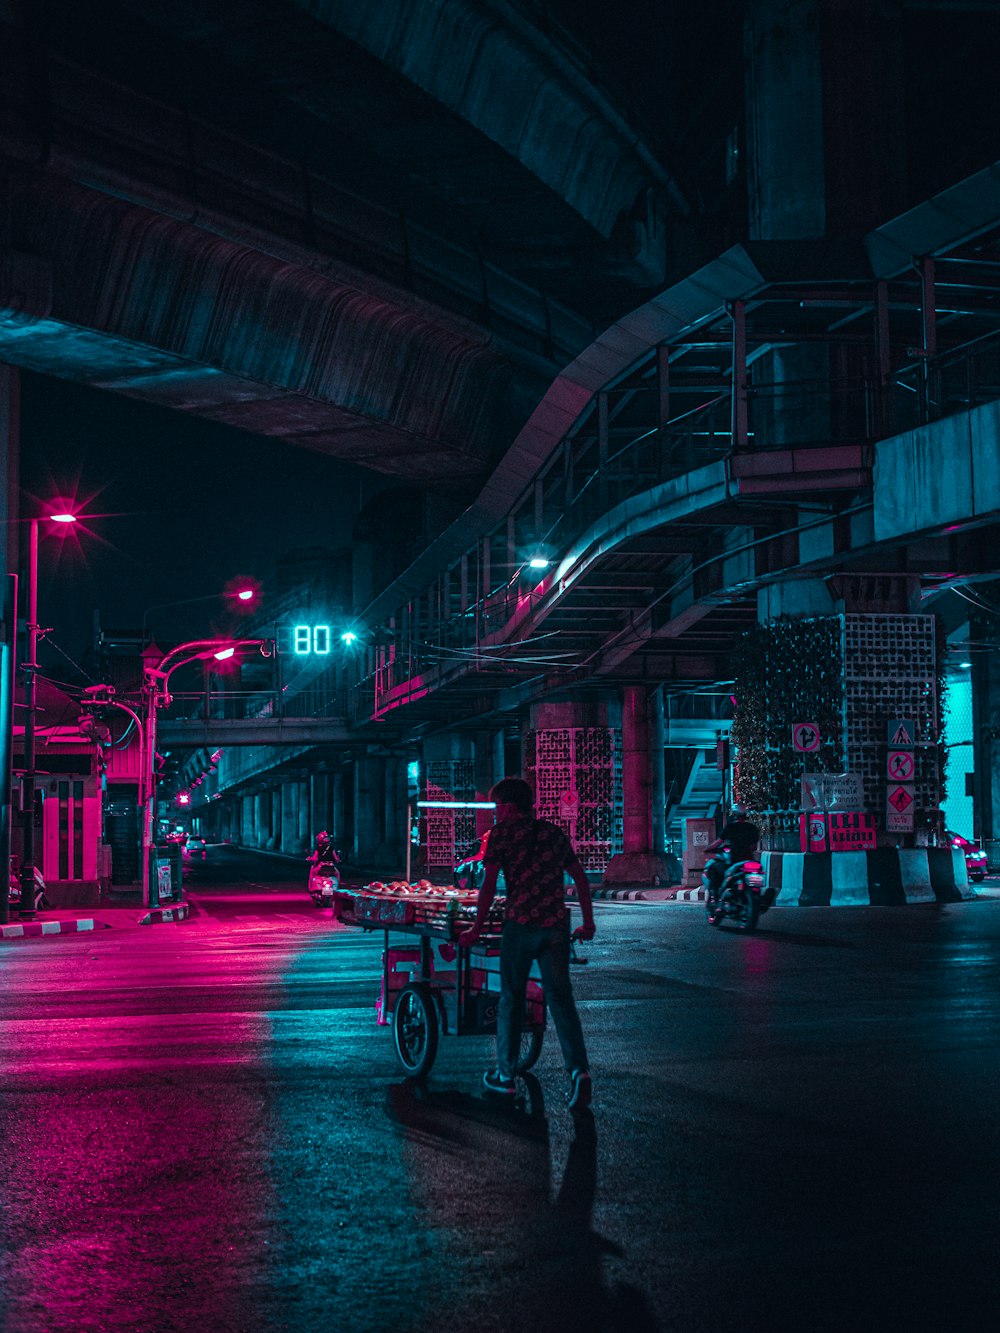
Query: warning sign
point(900, 798)
point(899, 811)
point(902, 731)
point(899, 765)
point(805, 737)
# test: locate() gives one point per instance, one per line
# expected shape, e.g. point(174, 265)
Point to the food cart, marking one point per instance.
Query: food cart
point(431, 984)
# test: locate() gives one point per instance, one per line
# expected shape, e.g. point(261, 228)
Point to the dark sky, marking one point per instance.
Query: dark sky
point(181, 506)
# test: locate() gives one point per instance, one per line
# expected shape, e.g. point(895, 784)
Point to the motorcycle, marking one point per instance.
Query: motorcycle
point(14, 890)
point(324, 881)
point(740, 895)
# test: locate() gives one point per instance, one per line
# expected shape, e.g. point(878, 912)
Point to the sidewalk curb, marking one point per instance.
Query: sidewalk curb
point(155, 915)
point(618, 895)
point(25, 929)
point(689, 896)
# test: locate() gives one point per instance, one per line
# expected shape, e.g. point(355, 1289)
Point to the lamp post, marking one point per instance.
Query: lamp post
point(156, 695)
point(30, 669)
point(243, 594)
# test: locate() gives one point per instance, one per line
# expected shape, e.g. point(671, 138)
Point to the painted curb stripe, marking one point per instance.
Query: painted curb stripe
point(159, 914)
point(30, 929)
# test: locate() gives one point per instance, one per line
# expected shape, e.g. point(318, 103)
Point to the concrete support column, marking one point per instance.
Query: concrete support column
point(657, 774)
point(246, 821)
point(638, 832)
point(488, 759)
point(274, 836)
point(369, 809)
point(637, 863)
point(338, 817)
point(262, 818)
point(302, 840)
point(319, 801)
point(289, 817)
point(394, 830)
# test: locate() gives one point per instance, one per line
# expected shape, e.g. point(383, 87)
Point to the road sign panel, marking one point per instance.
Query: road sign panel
point(805, 737)
point(900, 798)
point(900, 765)
point(899, 808)
point(902, 732)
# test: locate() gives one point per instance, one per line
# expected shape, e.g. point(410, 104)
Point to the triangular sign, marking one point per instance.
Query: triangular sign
point(901, 736)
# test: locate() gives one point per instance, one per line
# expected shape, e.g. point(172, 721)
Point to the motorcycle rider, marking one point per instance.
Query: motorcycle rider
point(738, 842)
point(324, 850)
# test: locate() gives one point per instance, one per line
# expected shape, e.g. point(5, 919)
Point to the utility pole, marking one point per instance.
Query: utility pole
point(7, 645)
point(30, 668)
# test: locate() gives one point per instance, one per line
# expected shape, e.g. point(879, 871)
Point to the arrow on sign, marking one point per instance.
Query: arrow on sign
point(900, 765)
point(805, 737)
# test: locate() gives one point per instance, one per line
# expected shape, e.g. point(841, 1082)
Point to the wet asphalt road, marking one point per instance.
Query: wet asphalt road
point(204, 1129)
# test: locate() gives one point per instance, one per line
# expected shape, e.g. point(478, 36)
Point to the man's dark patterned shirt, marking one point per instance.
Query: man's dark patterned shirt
point(532, 853)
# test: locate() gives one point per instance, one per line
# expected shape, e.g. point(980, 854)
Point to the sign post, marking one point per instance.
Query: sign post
point(900, 767)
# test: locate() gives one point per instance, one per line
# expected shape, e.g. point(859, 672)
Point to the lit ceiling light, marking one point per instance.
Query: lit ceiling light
point(538, 562)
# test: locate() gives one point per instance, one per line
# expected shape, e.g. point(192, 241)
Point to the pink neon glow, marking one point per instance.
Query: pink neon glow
point(183, 798)
point(245, 594)
point(223, 653)
point(62, 518)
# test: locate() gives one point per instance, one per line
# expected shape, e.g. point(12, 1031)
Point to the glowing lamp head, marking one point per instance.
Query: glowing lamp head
point(62, 518)
point(348, 637)
point(245, 594)
point(538, 562)
point(223, 653)
point(183, 799)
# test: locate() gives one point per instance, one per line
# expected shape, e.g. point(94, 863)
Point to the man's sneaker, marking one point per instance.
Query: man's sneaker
point(579, 1090)
point(493, 1082)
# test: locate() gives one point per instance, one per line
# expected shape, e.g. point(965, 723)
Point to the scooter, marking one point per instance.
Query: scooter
point(324, 881)
point(740, 897)
point(14, 891)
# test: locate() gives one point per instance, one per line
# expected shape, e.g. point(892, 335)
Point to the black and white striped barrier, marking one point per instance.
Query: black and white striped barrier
point(884, 877)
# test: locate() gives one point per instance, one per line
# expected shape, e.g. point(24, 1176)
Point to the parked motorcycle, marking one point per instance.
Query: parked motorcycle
point(14, 891)
point(735, 891)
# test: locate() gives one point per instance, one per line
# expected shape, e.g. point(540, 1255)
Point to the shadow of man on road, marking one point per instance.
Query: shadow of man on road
point(539, 1263)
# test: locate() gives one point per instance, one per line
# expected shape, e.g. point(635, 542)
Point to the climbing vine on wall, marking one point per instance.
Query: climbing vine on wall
point(787, 671)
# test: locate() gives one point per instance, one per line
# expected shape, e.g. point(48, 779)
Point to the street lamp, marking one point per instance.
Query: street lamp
point(30, 669)
point(243, 594)
point(156, 695)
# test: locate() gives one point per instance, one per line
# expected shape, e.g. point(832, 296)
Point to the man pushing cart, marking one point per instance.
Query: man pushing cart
point(477, 964)
point(532, 853)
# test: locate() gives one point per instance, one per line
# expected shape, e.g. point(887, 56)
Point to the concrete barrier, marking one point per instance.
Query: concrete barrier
point(885, 877)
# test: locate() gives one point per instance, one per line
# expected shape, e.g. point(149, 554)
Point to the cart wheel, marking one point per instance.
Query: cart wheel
point(415, 1030)
point(531, 1048)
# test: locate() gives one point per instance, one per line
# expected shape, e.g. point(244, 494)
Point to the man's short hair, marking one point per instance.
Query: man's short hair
point(513, 791)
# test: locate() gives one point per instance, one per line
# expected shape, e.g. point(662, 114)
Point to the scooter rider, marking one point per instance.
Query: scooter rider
point(738, 843)
point(324, 850)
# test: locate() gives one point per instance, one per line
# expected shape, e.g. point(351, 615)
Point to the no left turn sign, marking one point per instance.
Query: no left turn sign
point(899, 765)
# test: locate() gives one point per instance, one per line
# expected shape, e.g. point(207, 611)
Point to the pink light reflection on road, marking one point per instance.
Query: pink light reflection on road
point(136, 1186)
